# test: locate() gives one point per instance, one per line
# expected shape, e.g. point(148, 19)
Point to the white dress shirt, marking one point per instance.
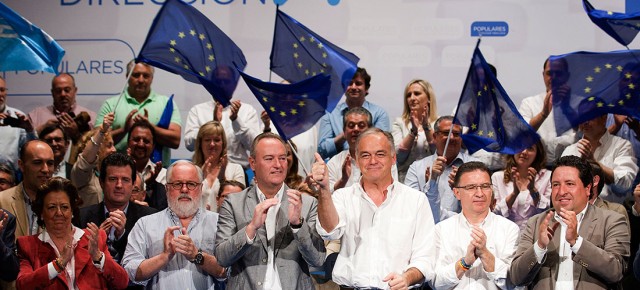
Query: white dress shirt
point(616, 153)
point(271, 279)
point(565, 269)
point(240, 133)
point(376, 241)
point(453, 235)
point(554, 144)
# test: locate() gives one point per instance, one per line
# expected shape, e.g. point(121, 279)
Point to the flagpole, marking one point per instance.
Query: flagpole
point(124, 87)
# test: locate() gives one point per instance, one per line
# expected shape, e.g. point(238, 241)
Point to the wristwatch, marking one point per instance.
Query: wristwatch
point(199, 259)
point(298, 226)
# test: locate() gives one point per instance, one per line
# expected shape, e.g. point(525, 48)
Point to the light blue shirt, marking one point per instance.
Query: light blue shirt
point(331, 126)
point(146, 241)
point(443, 203)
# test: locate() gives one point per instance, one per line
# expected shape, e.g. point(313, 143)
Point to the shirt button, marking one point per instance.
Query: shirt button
point(264, 260)
point(259, 283)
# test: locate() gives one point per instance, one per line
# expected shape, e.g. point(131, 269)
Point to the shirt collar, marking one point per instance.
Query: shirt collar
point(263, 197)
point(77, 234)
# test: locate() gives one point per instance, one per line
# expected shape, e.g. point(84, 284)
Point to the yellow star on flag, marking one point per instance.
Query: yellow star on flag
point(632, 86)
point(587, 90)
point(589, 79)
point(295, 55)
point(474, 126)
point(599, 104)
point(265, 99)
point(294, 111)
point(181, 34)
point(619, 68)
point(172, 42)
point(300, 65)
point(283, 114)
point(207, 68)
point(597, 69)
point(591, 98)
point(320, 45)
point(480, 133)
point(202, 36)
point(295, 45)
point(272, 109)
point(211, 58)
point(172, 50)
point(192, 32)
point(302, 39)
point(608, 65)
point(301, 104)
point(177, 59)
point(209, 46)
point(490, 134)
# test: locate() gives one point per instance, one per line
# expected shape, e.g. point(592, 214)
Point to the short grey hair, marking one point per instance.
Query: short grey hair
point(198, 169)
point(143, 184)
point(374, 131)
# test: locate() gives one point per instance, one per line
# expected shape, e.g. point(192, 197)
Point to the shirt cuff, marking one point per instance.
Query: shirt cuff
point(540, 252)
point(52, 271)
point(250, 241)
point(100, 265)
point(576, 246)
point(634, 211)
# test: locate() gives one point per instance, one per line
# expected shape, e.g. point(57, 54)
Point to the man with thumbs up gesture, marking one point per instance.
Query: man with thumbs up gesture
point(382, 224)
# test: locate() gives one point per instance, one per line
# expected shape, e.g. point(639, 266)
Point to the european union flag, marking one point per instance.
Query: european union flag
point(299, 53)
point(293, 108)
point(185, 42)
point(165, 120)
point(24, 46)
point(494, 123)
point(622, 27)
point(590, 84)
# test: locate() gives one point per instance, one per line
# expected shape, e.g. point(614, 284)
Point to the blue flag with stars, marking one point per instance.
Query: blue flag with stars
point(164, 122)
point(494, 124)
point(293, 108)
point(592, 84)
point(24, 46)
point(622, 27)
point(299, 53)
point(183, 41)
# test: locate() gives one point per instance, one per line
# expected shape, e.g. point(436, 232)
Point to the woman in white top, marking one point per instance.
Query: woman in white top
point(211, 155)
point(412, 132)
point(523, 189)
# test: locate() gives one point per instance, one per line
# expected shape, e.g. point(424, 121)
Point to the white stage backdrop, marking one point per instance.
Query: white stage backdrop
point(396, 40)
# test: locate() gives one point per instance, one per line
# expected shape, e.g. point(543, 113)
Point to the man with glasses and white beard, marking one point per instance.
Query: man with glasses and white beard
point(184, 259)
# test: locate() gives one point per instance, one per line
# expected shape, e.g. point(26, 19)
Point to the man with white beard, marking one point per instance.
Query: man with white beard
point(184, 260)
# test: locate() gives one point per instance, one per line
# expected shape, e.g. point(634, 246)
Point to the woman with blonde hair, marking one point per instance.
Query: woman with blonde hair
point(211, 155)
point(412, 132)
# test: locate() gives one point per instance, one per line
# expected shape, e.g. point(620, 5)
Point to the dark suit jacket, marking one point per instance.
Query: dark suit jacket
point(294, 253)
point(156, 195)
point(35, 255)
point(599, 264)
point(9, 265)
point(96, 214)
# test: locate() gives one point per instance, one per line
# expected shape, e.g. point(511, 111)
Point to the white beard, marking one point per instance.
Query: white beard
point(184, 209)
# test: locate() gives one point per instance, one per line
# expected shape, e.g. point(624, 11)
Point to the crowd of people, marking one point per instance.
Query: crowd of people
point(357, 202)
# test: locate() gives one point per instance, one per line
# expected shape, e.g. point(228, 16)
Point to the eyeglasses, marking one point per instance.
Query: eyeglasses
point(485, 187)
point(178, 185)
point(136, 189)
